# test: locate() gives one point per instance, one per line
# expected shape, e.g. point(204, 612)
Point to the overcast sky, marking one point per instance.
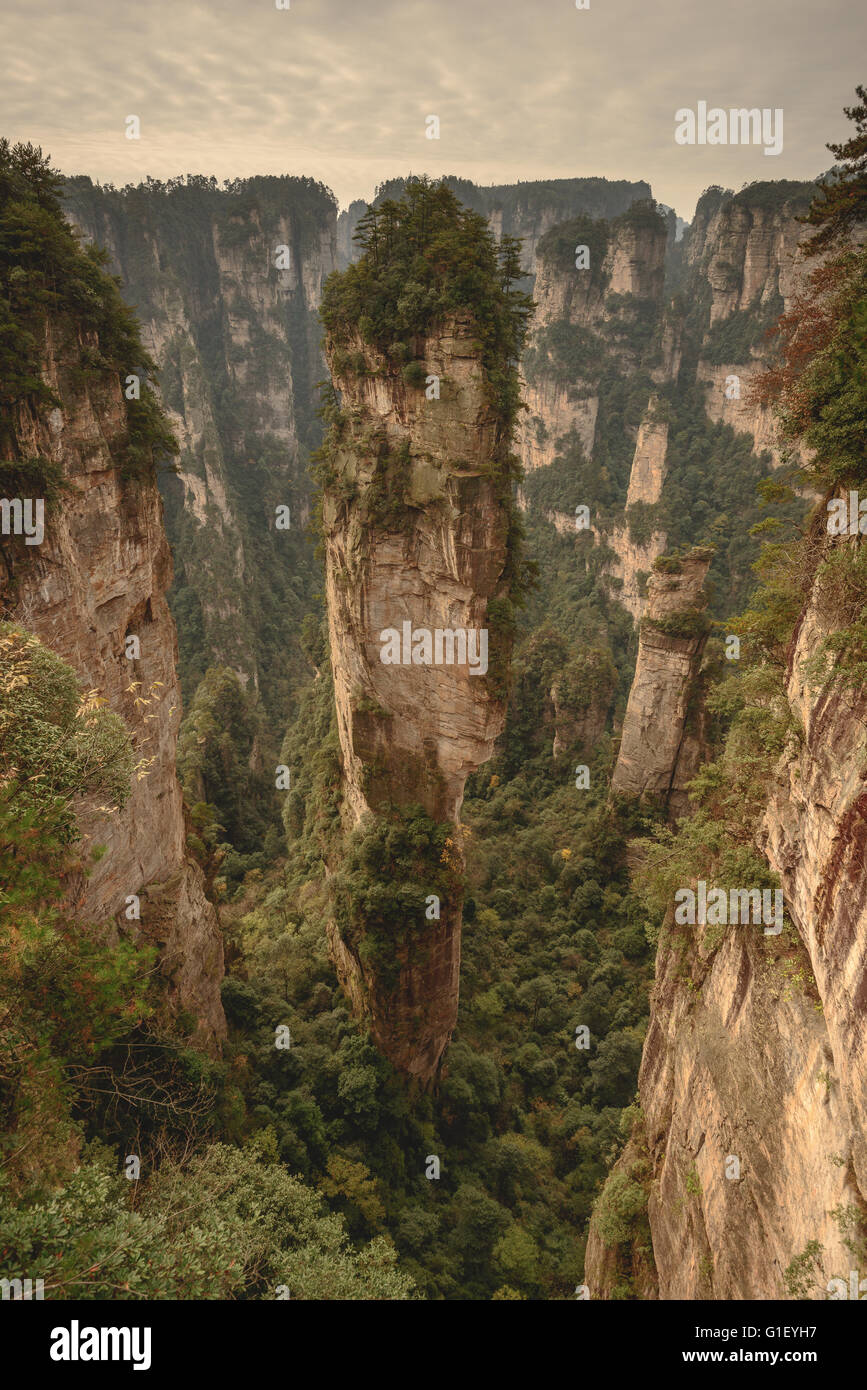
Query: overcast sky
point(339, 89)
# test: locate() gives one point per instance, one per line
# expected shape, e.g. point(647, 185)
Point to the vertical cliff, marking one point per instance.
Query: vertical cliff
point(755, 1048)
point(227, 282)
point(743, 268)
point(97, 580)
point(590, 322)
point(654, 760)
point(603, 342)
point(814, 835)
point(420, 559)
point(640, 376)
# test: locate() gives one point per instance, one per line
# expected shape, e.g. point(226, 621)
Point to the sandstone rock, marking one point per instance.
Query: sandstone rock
point(100, 575)
point(667, 664)
point(411, 734)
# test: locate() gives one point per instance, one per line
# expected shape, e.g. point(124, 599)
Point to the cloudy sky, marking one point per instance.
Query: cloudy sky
point(340, 89)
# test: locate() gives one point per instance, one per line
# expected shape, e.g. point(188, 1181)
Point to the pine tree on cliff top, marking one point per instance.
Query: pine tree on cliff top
point(423, 257)
point(842, 202)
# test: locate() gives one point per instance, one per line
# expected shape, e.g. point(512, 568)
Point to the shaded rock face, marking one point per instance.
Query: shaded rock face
point(236, 339)
point(740, 411)
point(746, 256)
point(99, 576)
point(555, 412)
point(667, 665)
point(410, 734)
point(756, 1046)
point(578, 728)
point(632, 560)
point(743, 411)
point(634, 266)
point(748, 252)
point(740, 269)
point(737, 1065)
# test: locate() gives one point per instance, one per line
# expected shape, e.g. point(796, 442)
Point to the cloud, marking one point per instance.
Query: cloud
point(339, 90)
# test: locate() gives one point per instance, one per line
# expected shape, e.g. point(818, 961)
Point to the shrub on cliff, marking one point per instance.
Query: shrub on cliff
point(621, 1213)
point(425, 257)
point(56, 741)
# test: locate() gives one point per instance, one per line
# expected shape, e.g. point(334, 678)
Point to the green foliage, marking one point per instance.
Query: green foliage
point(220, 765)
point(415, 374)
point(711, 496)
point(621, 1212)
point(33, 477)
point(46, 275)
point(841, 591)
point(799, 1278)
point(558, 245)
point(55, 740)
point(68, 991)
point(733, 339)
point(841, 201)
point(829, 410)
point(389, 866)
point(688, 624)
point(232, 1224)
point(423, 259)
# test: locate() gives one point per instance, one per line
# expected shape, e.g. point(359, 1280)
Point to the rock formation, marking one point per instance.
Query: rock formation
point(524, 210)
point(736, 270)
point(652, 753)
point(227, 284)
point(755, 1050)
point(598, 302)
point(648, 464)
point(746, 245)
point(743, 259)
point(416, 533)
point(98, 577)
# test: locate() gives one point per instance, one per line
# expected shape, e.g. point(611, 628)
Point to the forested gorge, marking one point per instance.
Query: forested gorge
point(283, 1148)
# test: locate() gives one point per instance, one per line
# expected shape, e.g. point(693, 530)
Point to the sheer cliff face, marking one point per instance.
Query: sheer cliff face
point(561, 401)
point(740, 270)
point(656, 758)
point(814, 836)
point(99, 577)
point(743, 258)
point(227, 286)
point(747, 246)
point(756, 1042)
point(737, 1065)
point(604, 322)
point(411, 732)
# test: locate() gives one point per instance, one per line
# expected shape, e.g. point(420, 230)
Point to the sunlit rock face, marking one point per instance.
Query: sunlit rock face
point(416, 541)
point(757, 1048)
